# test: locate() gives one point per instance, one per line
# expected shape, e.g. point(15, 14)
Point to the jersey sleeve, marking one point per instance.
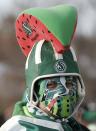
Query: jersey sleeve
point(23, 123)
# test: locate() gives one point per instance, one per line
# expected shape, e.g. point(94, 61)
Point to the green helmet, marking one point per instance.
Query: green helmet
point(43, 62)
point(44, 36)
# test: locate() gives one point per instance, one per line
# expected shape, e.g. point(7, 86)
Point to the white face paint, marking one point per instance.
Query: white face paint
point(63, 81)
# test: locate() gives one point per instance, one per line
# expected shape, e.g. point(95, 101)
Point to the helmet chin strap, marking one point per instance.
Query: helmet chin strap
point(43, 108)
point(47, 109)
point(50, 105)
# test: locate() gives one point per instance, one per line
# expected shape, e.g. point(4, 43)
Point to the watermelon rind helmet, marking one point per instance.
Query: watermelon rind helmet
point(44, 35)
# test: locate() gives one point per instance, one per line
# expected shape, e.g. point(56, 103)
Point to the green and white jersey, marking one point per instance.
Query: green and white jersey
point(23, 123)
point(23, 120)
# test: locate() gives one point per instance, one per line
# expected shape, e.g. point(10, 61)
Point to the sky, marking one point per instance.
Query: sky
point(6, 6)
point(86, 11)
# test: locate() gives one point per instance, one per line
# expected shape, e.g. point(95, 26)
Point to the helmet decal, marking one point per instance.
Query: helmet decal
point(60, 66)
point(27, 28)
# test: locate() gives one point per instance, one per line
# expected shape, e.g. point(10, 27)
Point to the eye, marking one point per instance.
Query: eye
point(69, 84)
point(51, 85)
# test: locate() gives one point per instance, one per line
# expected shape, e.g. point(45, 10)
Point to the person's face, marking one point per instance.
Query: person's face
point(59, 95)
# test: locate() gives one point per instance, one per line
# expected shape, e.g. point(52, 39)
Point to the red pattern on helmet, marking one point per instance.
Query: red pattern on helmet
point(39, 32)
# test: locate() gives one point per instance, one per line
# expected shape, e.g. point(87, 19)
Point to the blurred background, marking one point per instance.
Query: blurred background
point(12, 60)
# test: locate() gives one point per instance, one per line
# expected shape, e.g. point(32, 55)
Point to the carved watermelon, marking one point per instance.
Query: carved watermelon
point(56, 24)
point(29, 30)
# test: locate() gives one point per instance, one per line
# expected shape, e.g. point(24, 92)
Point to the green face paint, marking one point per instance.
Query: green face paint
point(59, 95)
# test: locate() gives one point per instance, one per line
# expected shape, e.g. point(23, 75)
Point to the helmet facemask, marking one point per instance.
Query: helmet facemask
point(62, 68)
point(59, 96)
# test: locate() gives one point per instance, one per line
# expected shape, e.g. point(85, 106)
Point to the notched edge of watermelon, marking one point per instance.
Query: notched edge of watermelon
point(39, 32)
